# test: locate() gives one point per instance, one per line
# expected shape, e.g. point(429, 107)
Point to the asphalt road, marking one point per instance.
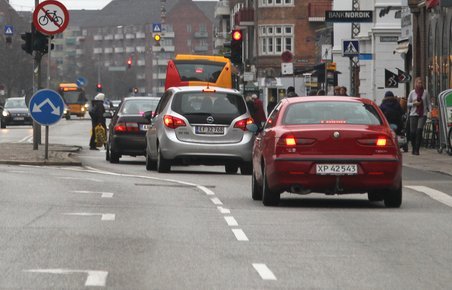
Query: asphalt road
point(122, 227)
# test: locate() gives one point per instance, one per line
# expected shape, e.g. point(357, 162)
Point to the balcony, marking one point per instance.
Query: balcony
point(160, 76)
point(141, 49)
point(79, 52)
point(140, 35)
point(108, 37)
point(244, 17)
point(163, 48)
point(119, 49)
point(201, 34)
point(130, 49)
point(130, 36)
point(201, 48)
point(316, 11)
point(168, 34)
point(71, 41)
point(98, 37)
point(141, 62)
point(97, 50)
point(108, 50)
point(222, 9)
point(119, 36)
point(160, 62)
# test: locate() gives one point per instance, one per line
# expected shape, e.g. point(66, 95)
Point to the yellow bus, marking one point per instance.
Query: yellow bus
point(75, 99)
point(201, 70)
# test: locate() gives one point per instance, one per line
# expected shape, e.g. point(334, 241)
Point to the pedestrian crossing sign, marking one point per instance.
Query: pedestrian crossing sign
point(9, 30)
point(350, 48)
point(156, 27)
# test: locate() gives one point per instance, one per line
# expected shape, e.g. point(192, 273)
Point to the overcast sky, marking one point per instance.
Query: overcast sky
point(28, 5)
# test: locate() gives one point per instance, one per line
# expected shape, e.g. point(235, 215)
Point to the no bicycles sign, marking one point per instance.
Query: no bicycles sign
point(50, 17)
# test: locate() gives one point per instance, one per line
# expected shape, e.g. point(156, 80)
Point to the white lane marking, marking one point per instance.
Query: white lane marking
point(78, 178)
point(25, 139)
point(223, 210)
point(240, 235)
point(216, 201)
point(264, 271)
point(433, 193)
point(104, 216)
point(230, 220)
point(16, 171)
point(206, 190)
point(95, 278)
point(103, 194)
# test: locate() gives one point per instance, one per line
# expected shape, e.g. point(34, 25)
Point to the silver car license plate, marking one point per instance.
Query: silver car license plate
point(144, 127)
point(336, 169)
point(211, 130)
point(18, 118)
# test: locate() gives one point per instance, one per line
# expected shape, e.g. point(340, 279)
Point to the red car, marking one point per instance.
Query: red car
point(330, 145)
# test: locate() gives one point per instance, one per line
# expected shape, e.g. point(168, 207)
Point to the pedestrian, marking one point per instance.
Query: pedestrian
point(321, 92)
point(343, 91)
point(418, 106)
point(96, 112)
point(250, 104)
point(393, 112)
point(291, 92)
point(337, 90)
point(271, 104)
point(260, 117)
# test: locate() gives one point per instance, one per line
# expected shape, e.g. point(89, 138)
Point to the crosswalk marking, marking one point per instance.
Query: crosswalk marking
point(433, 193)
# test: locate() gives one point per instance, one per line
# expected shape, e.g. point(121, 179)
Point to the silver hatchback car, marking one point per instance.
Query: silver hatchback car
point(196, 125)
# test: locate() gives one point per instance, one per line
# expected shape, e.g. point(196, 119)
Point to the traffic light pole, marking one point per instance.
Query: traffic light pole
point(36, 87)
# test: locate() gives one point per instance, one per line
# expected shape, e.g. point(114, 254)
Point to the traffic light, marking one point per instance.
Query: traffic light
point(28, 44)
point(99, 87)
point(41, 42)
point(129, 62)
point(157, 37)
point(236, 46)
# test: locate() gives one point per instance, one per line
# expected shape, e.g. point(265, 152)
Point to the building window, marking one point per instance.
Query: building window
point(202, 27)
point(272, 3)
point(275, 39)
point(189, 28)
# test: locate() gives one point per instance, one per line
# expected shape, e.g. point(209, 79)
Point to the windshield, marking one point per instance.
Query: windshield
point(74, 97)
point(15, 103)
point(138, 107)
point(331, 113)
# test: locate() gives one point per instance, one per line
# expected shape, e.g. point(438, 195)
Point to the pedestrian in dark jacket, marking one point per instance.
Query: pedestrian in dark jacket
point(96, 112)
point(260, 117)
point(392, 110)
point(291, 92)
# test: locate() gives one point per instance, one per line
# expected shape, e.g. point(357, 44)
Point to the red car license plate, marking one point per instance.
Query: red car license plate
point(336, 169)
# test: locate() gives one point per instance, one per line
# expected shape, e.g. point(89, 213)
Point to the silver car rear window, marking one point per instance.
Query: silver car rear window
point(331, 113)
point(209, 103)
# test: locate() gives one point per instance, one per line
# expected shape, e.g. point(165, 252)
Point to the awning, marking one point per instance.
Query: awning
point(403, 46)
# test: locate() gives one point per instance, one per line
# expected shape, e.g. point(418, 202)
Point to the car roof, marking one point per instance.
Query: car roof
point(16, 98)
point(141, 98)
point(327, 99)
point(200, 88)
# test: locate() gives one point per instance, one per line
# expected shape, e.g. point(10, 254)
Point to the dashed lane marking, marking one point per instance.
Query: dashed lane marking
point(223, 210)
point(104, 216)
point(240, 235)
point(230, 220)
point(264, 271)
point(103, 194)
point(433, 193)
point(94, 279)
point(216, 201)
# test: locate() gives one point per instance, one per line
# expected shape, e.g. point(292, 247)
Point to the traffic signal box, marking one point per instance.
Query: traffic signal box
point(28, 42)
point(99, 87)
point(157, 37)
point(129, 63)
point(36, 41)
point(236, 46)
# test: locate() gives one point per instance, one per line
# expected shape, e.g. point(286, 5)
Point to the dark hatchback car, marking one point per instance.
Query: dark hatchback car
point(15, 112)
point(127, 129)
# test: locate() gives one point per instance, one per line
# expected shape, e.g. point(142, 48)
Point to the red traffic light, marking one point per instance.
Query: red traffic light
point(237, 35)
point(129, 61)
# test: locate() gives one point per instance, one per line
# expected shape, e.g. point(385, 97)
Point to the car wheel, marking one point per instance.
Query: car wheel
point(374, 196)
point(2, 125)
point(246, 168)
point(114, 157)
point(150, 164)
point(231, 168)
point(107, 152)
point(393, 198)
point(256, 188)
point(269, 197)
point(68, 117)
point(163, 165)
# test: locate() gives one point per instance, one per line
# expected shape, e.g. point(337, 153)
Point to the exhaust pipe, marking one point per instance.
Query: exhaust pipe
point(298, 189)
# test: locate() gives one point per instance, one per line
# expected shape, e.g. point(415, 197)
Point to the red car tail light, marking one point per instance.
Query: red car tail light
point(126, 127)
point(173, 122)
point(241, 124)
point(289, 143)
point(379, 142)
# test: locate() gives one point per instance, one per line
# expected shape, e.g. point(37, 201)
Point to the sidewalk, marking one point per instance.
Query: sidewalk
point(23, 153)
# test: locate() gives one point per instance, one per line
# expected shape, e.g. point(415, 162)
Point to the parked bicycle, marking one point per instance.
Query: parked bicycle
point(50, 16)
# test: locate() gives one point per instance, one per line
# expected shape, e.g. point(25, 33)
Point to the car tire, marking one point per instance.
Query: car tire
point(163, 165)
point(393, 198)
point(375, 196)
point(150, 164)
point(231, 168)
point(256, 188)
point(114, 157)
point(107, 152)
point(68, 117)
point(246, 168)
point(2, 125)
point(269, 197)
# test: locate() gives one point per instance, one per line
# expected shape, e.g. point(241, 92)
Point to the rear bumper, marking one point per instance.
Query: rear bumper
point(373, 174)
point(128, 145)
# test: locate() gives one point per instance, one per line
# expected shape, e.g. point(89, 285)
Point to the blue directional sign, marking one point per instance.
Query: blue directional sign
point(156, 27)
point(9, 30)
point(350, 47)
point(46, 107)
point(81, 82)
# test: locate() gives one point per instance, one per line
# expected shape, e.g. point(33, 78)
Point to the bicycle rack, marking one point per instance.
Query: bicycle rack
point(445, 117)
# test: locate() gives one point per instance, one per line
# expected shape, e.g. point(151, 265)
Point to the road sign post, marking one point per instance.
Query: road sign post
point(46, 108)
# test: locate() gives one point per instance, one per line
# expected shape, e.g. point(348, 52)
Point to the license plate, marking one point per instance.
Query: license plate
point(336, 169)
point(213, 130)
point(18, 118)
point(144, 127)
